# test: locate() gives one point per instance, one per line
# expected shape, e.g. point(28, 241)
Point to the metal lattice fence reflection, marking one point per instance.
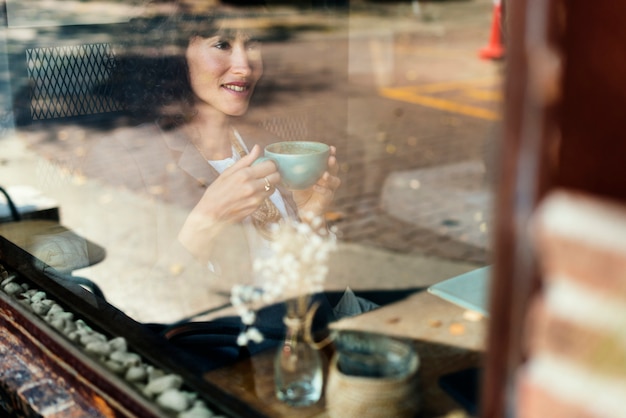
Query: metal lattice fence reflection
point(71, 81)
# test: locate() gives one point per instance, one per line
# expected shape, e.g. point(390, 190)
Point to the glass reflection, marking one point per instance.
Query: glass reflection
point(396, 88)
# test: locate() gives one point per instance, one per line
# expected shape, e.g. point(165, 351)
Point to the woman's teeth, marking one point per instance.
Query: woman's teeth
point(235, 88)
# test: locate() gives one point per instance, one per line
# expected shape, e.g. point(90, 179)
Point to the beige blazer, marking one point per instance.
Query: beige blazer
point(149, 159)
point(231, 256)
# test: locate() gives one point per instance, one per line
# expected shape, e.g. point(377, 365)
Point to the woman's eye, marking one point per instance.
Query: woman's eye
point(222, 45)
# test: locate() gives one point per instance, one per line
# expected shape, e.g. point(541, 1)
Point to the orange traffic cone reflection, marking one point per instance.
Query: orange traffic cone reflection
point(495, 48)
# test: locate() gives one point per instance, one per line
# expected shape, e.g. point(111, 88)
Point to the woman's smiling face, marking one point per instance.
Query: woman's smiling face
point(224, 69)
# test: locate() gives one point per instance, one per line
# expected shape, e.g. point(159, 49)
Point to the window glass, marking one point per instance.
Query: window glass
point(128, 116)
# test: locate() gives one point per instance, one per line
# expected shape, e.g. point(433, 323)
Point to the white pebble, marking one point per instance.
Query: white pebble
point(7, 280)
point(70, 327)
point(127, 359)
point(161, 384)
point(41, 307)
point(38, 296)
point(136, 374)
point(173, 399)
point(154, 373)
point(55, 308)
point(115, 366)
point(82, 325)
point(66, 316)
point(13, 288)
point(118, 344)
point(98, 348)
point(92, 337)
point(57, 323)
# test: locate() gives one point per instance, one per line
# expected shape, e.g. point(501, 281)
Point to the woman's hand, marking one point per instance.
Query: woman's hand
point(235, 194)
point(239, 190)
point(315, 201)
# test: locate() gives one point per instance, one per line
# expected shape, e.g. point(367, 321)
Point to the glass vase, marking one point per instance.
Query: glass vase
point(298, 365)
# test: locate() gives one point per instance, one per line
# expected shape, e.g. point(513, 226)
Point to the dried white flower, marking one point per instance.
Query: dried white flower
point(242, 339)
point(297, 267)
point(250, 334)
point(248, 317)
point(254, 335)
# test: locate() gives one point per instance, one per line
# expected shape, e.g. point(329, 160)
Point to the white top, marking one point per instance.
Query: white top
point(259, 246)
point(221, 165)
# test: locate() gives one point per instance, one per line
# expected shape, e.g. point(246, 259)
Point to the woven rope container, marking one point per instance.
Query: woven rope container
point(353, 396)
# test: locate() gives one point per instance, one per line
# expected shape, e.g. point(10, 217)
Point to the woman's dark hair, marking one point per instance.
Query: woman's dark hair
point(151, 75)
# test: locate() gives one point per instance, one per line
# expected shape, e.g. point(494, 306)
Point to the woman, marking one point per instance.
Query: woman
point(202, 95)
point(223, 70)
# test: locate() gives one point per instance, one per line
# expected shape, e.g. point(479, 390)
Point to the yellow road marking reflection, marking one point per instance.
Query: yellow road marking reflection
point(485, 95)
point(474, 89)
point(441, 104)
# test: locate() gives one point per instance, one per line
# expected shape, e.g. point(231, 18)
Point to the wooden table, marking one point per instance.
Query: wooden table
point(447, 338)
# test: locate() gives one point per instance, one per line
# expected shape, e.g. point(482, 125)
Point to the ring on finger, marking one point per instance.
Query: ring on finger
point(268, 185)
